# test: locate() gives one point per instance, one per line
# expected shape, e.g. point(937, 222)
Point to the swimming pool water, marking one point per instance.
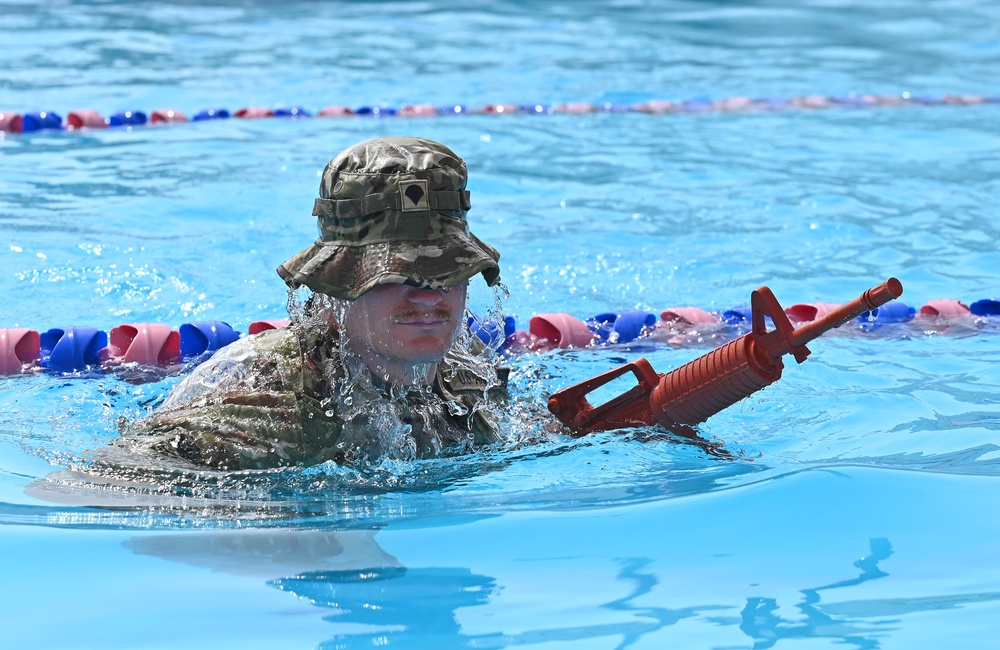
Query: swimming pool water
point(859, 511)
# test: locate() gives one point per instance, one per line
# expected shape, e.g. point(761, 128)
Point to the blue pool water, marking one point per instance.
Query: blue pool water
point(860, 511)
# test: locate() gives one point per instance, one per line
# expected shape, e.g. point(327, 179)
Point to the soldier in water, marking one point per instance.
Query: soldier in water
point(378, 362)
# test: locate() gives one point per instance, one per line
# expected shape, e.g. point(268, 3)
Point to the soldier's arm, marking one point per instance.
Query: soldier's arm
point(239, 410)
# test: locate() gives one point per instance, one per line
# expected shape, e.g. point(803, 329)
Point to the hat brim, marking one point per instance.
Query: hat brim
point(347, 272)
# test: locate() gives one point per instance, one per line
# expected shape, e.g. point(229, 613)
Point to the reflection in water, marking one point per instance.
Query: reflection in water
point(415, 605)
point(375, 601)
point(417, 608)
point(346, 571)
point(266, 553)
point(766, 628)
point(850, 623)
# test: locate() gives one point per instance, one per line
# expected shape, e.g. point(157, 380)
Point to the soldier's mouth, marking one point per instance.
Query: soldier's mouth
point(427, 319)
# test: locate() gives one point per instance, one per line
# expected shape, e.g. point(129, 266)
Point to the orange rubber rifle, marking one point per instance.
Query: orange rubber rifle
point(701, 388)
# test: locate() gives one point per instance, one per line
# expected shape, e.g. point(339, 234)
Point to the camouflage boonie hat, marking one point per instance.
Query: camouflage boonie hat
point(392, 210)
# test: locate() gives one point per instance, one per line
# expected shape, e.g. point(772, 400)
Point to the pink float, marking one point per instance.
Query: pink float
point(421, 110)
point(254, 112)
point(167, 116)
point(336, 111)
point(803, 313)
point(497, 109)
point(18, 347)
point(946, 308)
point(576, 108)
point(963, 100)
point(656, 106)
point(812, 101)
point(733, 104)
point(151, 344)
point(688, 316)
point(11, 122)
point(264, 325)
point(561, 330)
point(85, 119)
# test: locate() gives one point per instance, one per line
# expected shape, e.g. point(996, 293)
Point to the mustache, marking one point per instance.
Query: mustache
point(423, 314)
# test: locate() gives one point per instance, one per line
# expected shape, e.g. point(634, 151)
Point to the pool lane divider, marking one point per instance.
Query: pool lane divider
point(79, 349)
point(14, 122)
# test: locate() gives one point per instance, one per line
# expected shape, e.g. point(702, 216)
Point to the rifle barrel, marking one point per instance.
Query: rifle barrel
point(869, 300)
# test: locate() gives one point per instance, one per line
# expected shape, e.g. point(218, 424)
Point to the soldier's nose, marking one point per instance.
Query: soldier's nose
point(424, 296)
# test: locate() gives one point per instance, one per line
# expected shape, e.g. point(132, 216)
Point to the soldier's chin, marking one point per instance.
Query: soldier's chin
point(426, 350)
point(426, 346)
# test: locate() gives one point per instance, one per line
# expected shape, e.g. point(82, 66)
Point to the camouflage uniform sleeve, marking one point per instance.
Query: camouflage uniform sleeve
point(480, 395)
point(239, 410)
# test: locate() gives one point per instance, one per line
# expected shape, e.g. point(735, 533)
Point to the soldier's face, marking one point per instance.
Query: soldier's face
point(404, 324)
